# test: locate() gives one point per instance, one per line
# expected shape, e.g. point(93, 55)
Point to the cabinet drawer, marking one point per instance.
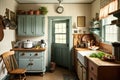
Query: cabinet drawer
point(92, 68)
point(24, 54)
point(37, 54)
point(92, 76)
point(30, 54)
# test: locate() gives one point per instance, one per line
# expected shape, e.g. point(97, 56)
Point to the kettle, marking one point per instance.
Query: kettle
point(43, 44)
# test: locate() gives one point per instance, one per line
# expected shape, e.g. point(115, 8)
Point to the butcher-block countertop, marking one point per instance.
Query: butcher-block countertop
point(98, 61)
point(30, 49)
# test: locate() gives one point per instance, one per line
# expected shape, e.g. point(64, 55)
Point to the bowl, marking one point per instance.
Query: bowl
point(93, 47)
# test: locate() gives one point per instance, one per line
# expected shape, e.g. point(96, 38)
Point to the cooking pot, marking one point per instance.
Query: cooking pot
point(28, 44)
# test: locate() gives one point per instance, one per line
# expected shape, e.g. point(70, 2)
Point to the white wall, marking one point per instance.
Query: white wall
point(95, 8)
point(9, 35)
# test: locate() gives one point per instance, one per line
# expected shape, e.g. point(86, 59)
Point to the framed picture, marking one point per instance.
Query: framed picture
point(81, 21)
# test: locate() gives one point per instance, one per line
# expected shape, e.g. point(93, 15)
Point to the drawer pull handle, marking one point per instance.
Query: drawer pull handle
point(36, 54)
point(92, 68)
point(91, 78)
point(30, 64)
point(22, 54)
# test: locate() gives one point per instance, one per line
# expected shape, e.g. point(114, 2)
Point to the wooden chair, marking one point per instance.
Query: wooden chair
point(12, 66)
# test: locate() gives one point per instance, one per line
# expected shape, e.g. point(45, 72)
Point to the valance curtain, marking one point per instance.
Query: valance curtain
point(107, 6)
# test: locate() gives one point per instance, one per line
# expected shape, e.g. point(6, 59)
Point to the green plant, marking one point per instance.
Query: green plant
point(43, 10)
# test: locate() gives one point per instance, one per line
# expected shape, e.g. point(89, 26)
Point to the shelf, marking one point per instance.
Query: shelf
point(116, 13)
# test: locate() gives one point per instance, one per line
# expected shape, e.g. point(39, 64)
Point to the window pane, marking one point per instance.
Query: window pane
point(111, 33)
point(60, 38)
point(60, 28)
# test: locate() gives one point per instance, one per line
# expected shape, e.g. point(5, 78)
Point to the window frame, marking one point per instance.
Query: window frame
point(104, 25)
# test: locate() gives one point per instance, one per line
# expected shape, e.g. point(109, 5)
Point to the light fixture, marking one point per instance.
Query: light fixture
point(60, 8)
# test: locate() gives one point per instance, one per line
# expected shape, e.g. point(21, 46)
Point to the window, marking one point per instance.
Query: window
point(60, 33)
point(110, 32)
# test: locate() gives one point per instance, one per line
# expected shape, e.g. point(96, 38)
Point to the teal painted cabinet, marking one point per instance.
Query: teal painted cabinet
point(32, 61)
point(30, 25)
point(22, 25)
point(40, 21)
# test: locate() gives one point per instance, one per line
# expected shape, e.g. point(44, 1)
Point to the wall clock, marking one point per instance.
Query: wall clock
point(60, 9)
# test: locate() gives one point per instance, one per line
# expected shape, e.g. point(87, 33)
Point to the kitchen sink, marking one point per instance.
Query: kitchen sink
point(81, 56)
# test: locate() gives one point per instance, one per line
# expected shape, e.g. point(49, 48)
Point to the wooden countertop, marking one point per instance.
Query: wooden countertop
point(81, 49)
point(100, 62)
point(30, 49)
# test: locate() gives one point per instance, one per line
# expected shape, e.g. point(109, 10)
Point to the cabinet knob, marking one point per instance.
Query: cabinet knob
point(22, 54)
point(91, 78)
point(36, 54)
point(30, 64)
point(92, 68)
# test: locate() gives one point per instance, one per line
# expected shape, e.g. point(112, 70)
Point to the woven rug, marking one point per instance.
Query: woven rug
point(69, 77)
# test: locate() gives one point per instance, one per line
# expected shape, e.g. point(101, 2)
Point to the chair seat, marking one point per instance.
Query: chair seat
point(18, 71)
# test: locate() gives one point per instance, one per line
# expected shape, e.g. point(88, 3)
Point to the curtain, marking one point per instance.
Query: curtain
point(106, 9)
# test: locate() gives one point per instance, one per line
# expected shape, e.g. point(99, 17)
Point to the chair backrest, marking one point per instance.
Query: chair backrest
point(9, 61)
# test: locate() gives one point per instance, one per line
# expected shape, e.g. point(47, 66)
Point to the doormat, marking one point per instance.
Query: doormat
point(69, 77)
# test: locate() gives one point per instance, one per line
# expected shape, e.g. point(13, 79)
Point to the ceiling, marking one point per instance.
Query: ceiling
point(54, 1)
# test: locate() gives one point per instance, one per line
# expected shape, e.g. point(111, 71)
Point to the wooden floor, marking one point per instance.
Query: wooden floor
point(58, 74)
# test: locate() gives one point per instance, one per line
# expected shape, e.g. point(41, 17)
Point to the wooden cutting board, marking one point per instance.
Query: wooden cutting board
point(1, 29)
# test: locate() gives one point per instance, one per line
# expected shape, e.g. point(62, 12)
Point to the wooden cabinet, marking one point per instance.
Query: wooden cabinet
point(92, 71)
point(32, 61)
point(81, 71)
point(30, 25)
point(102, 70)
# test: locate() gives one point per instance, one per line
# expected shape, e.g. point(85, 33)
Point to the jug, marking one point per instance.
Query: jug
point(43, 44)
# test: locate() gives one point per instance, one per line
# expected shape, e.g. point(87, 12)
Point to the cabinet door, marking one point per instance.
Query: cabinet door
point(84, 74)
point(24, 63)
point(22, 25)
point(40, 25)
point(37, 64)
point(79, 70)
point(30, 25)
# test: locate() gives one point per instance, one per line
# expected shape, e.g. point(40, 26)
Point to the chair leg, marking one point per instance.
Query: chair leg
point(20, 77)
point(24, 76)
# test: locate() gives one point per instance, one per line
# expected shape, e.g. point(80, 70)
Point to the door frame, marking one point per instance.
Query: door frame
point(50, 19)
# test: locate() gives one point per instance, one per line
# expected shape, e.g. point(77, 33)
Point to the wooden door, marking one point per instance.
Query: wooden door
point(60, 43)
